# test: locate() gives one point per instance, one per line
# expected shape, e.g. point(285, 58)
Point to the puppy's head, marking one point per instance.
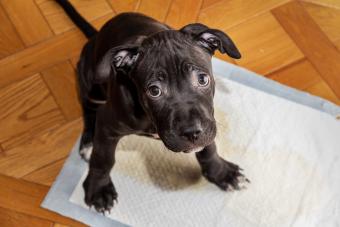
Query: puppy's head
point(172, 72)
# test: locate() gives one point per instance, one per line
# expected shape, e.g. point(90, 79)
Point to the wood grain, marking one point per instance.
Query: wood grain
point(102, 20)
point(120, 6)
point(60, 225)
point(27, 109)
point(300, 75)
point(157, 9)
point(327, 18)
point(328, 3)
point(10, 218)
point(61, 80)
point(60, 22)
point(303, 76)
point(323, 90)
point(312, 42)
point(39, 57)
point(337, 44)
point(74, 62)
point(10, 42)
point(98, 23)
point(25, 197)
point(264, 45)
point(28, 20)
point(209, 3)
point(46, 174)
point(43, 150)
point(228, 13)
point(183, 12)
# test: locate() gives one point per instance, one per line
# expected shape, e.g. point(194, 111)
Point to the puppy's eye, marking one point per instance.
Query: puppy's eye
point(203, 79)
point(154, 91)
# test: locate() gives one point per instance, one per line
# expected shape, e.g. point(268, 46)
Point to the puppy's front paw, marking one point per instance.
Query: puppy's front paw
point(226, 175)
point(101, 196)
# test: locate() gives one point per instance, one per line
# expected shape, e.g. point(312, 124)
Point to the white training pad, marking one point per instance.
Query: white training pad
point(290, 153)
point(285, 140)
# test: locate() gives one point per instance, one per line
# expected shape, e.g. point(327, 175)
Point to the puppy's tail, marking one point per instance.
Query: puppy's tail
point(88, 30)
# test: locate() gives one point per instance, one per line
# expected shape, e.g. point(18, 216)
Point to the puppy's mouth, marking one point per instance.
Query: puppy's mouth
point(178, 146)
point(177, 143)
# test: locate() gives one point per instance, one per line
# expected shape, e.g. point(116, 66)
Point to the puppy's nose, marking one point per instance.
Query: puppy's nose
point(192, 133)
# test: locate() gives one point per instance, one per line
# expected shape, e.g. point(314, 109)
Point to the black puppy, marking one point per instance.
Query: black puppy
point(139, 76)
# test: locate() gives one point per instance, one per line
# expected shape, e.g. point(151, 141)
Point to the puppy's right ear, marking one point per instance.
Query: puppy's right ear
point(211, 39)
point(121, 58)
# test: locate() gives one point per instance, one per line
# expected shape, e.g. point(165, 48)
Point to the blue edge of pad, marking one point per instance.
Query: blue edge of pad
point(57, 199)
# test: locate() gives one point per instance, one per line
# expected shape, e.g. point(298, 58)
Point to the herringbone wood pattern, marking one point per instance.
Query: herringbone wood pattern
point(295, 42)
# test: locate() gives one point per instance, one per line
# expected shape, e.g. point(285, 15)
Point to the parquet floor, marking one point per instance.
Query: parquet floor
point(294, 42)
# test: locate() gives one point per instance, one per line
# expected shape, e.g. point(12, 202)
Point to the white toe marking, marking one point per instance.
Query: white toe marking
point(86, 152)
point(242, 182)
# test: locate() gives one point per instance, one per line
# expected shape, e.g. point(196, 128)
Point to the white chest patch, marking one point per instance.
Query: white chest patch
point(155, 135)
point(194, 150)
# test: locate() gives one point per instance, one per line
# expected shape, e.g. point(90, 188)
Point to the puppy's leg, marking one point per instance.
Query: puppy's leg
point(89, 111)
point(99, 189)
point(86, 142)
point(224, 174)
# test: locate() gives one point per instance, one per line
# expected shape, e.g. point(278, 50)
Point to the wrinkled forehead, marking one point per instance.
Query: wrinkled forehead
point(170, 52)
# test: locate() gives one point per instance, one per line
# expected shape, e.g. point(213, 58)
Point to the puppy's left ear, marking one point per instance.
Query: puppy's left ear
point(121, 58)
point(211, 39)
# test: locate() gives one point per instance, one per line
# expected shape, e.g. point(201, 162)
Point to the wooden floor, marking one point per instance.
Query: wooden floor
point(294, 42)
